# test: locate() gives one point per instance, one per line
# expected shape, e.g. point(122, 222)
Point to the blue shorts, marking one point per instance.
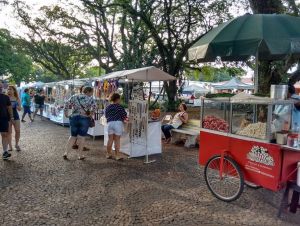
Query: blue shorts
point(16, 114)
point(79, 125)
point(26, 109)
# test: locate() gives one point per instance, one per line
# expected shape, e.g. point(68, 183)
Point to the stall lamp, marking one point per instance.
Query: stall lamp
point(67, 87)
point(44, 87)
point(93, 84)
point(54, 87)
point(126, 79)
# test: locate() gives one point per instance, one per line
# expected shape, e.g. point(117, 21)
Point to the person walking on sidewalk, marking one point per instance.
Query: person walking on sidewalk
point(75, 146)
point(115, 115)
point(6, 115)
point(26, 105)
point(13, 95)
point(83, 107)
point(39, 103)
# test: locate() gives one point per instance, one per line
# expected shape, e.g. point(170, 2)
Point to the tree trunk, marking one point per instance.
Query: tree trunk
point(171, 91)
point(266, 76)
point(270, 73)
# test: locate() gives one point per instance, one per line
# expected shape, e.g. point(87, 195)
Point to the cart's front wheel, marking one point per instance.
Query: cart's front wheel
point(226, 184)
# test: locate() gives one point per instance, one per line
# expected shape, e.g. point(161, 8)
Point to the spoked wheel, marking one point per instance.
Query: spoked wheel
point(228, 186)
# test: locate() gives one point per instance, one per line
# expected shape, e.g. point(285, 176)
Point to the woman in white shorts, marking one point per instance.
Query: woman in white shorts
point(115, 115)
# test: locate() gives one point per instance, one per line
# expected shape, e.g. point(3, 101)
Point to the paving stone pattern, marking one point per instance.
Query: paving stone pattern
point(38, 187)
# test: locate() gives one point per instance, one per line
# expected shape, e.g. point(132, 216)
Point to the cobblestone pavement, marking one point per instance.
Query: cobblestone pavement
point(39, 188)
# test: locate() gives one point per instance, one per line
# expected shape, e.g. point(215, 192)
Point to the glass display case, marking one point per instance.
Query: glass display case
point(248, 116)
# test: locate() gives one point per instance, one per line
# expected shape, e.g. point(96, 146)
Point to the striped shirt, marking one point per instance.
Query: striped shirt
point(115, 112)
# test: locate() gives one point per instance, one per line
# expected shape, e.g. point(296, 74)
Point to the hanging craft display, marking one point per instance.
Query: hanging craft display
point(137, 92)
point(138, 118)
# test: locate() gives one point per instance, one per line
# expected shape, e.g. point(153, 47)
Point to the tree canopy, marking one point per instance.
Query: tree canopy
point(14, 64)
point(123, 34)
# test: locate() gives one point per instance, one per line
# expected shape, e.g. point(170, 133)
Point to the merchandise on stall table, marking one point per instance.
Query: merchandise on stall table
point(214, 123)
point(254, 130)
point(155, 114)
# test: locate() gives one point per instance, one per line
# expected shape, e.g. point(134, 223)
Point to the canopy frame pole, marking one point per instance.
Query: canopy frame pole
point(147, 161)
point(150, 90)
point(256, 73)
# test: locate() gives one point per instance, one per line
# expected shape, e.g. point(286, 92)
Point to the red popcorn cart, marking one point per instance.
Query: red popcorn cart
point(247, 140)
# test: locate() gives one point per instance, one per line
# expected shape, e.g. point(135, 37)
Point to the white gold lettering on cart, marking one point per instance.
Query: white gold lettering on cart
point(260, 155)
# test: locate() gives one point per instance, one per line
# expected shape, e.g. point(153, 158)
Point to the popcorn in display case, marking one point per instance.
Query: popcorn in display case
point(215, 114)
point(248, 116)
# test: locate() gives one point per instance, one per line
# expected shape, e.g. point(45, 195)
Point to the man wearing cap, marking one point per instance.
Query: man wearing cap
point(6, 114)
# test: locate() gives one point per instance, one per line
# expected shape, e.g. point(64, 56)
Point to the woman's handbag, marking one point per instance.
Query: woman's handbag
point(92, 122)
point(88, 113)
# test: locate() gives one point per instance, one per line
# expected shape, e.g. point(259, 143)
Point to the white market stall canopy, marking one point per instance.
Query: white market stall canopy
point(195, 88)
point(145, 74)
point(34, 85)
point(234, 83)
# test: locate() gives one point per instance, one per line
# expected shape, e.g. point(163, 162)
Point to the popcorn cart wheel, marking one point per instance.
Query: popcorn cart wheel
point(224, 178)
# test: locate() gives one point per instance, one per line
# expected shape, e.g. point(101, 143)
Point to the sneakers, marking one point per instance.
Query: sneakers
point(6, 155)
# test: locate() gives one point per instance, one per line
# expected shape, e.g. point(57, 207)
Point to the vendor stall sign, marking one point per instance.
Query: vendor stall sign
point(260, 155)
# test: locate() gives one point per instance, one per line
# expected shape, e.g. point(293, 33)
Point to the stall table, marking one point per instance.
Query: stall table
point(136, 150)
point(57, 115)
point(98, 130)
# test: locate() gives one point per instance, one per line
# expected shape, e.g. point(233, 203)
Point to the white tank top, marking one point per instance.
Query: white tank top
point(176, 122)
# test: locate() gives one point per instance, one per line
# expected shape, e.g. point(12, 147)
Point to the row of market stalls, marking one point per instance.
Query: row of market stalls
point(143, 136)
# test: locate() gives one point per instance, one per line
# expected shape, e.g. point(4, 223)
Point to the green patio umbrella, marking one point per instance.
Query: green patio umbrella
point(265, 36)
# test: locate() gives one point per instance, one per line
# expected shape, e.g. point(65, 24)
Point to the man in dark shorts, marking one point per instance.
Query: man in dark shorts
point(39, 102)
point(6, 114)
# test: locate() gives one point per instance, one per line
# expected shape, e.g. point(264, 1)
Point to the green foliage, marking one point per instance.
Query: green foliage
point(92, 72)
point(275, 72)
point(49, 46)
point(209, 73)
point(154, 106)
point(124, 34)
point(13, 62)
point(39, 73)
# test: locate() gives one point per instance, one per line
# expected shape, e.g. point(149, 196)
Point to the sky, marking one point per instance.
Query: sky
point(7, 19)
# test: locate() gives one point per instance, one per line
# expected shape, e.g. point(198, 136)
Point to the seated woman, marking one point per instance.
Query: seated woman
point(180, 118)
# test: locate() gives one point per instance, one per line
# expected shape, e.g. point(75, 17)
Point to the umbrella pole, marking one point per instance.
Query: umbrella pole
point(256, 74)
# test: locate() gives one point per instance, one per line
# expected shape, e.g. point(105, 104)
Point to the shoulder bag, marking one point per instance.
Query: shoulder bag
point(88, 113)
